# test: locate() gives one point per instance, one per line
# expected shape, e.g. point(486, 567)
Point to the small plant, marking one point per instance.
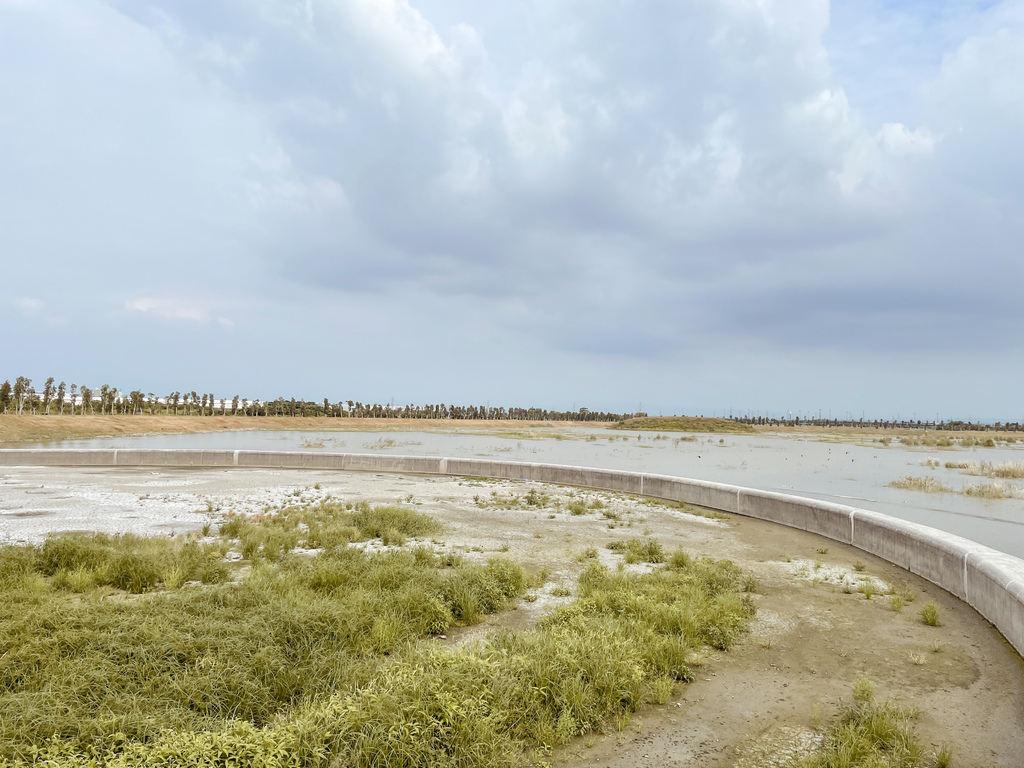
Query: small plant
point(944, 757)
point(896, 603)
point(561, 591)
point(868, 588)
point(930, 613)
point(917, 658)
point(859, 565)
point(816, 716)
point(822, 551)
point(863, 691)
point(577, 508)
point(902, 590)
point(936, 646)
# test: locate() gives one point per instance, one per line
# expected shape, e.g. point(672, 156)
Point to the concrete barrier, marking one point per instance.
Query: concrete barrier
point(992, 582)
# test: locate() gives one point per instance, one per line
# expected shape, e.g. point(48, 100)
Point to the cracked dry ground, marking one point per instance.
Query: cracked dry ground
point(754, 706)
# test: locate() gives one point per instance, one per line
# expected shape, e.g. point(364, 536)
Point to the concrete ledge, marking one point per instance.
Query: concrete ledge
point(990, 581)
point(834, 521)
point(933, 554)
point(699, 492)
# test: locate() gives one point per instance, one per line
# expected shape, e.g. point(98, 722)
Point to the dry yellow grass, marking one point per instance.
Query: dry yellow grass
point(24, 429)
point(926, 484)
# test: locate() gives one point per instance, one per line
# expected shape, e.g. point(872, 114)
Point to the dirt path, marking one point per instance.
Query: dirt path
point(751, 707)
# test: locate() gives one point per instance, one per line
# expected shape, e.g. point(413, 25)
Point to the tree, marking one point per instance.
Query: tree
point(48, 392)
point(61, 394)
point(137, 400)
point(20, 392)
point(86, 399)
point(5, 395)
point(234, 405)
point(74, 390)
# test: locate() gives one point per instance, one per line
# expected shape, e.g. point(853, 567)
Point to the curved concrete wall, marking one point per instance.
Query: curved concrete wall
point(990, 581)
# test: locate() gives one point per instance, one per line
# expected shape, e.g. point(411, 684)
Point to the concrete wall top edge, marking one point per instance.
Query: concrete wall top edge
point(948, 542)
point(1002, 568)
point(690, 481)
point(831, 506)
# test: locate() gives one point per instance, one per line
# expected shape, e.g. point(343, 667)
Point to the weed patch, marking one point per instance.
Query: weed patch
point(869, 734)
point(288, 667)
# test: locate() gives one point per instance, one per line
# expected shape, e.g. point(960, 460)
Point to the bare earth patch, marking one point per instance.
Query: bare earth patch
point(815, 632)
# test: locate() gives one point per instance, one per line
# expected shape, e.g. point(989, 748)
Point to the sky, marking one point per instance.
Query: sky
point(746, 206)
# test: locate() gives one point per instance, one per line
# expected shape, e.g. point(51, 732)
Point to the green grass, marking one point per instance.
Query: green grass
point(930, 613)
point(532, 499)
point(684, 424)
point(318, 661)
point(869, 734)
point(646, 550)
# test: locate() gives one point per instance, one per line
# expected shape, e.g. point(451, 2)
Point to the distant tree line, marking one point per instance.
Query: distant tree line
point(953, 426)
point(22, 397)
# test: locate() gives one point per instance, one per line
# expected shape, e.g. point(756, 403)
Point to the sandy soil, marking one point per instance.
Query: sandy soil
point(16, 429)
point(752, 707)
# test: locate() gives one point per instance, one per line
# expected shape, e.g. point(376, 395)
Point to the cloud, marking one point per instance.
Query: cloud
point(590, 180)
point(177, 310)
point(28, 305)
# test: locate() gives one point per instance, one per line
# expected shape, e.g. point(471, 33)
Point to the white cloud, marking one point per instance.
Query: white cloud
point(169, 309)
point(28, 305)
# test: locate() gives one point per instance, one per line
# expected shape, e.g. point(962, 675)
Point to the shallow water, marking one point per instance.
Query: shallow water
point(847, 473)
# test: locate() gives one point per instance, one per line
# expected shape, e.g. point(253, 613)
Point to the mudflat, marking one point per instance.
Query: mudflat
point(823, 619)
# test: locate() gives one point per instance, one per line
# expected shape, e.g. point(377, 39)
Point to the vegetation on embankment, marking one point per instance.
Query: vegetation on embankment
point(124, 651)
point(684, 424)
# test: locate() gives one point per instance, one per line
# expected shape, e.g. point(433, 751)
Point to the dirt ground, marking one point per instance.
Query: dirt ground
point(15, 429)
point(755, 706)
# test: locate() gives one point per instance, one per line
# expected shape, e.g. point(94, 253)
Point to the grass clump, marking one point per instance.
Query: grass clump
point(930, 613)
point(646, 550)
point(926, 484)
point(869, 734)
point(1005, 470)
point(274, 534)
point(993, 491)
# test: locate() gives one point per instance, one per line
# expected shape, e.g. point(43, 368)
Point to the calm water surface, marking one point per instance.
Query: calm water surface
point(847, 473)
